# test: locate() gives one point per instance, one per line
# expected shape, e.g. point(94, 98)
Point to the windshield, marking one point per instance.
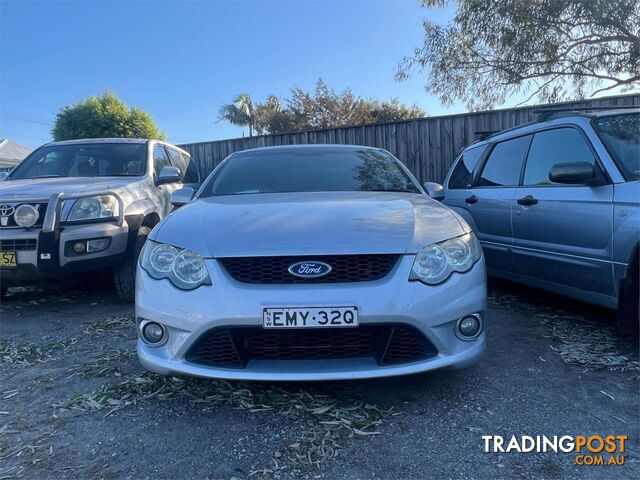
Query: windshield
point(621, 135)
point(309, 170)
point(84, 160)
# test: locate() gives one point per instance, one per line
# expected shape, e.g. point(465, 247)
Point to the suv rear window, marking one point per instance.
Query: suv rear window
point(503, 166)
point(621, 136)
point(462, 174)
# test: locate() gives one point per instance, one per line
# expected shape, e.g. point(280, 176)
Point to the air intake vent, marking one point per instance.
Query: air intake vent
point(234, 347)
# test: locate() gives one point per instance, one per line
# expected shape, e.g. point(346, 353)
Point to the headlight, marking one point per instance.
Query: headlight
point(184, 268)
point(94, 208)
point(435, 263)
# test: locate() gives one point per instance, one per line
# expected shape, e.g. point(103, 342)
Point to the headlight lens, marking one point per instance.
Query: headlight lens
point(26, 215)
point(184, 268)
point(162, 258)
point(435, 263)
point(92, 208)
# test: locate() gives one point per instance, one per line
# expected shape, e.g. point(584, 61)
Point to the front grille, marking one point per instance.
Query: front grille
point(9, 222)
point(234, 347)
point(18, 244)
point(344, 268)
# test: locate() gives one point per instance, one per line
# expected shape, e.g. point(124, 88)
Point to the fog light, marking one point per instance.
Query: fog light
point(26, 216)
point(152, 332)
point(469, 327)
point(97, 244)
point(79, 247)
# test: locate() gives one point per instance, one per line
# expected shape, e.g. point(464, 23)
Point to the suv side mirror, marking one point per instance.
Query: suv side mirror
point(434, 190)
point(182, 196)
point(3, 175)
point(572, 173)
point(168, 175)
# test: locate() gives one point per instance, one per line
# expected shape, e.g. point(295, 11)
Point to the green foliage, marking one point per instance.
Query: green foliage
point(239, 112)
point(550, 49)
point(321, 108)
point(103, 117)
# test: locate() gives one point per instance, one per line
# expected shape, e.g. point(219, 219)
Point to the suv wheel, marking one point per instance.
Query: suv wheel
point(3, 291)
point(124, 276)
point(629, 303)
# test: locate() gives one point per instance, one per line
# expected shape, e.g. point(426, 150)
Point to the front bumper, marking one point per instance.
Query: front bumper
point(432, 310)
point(46, 251)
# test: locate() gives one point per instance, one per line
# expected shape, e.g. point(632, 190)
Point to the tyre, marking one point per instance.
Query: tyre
point(3, 291)
point(629, 304)
point(124, 276)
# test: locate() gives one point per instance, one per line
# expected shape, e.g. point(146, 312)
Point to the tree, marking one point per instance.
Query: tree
point(267, 113)
point(321, 108)
point(326, 108)
point(239, 112)
point(243, 113)
point(550, 49)
point(103, 117)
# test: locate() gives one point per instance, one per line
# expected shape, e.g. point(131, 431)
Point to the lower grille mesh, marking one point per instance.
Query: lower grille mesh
point(18, 245)
point(234, 347)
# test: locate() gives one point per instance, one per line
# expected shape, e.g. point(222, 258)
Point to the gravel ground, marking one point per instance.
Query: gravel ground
point(74, 402)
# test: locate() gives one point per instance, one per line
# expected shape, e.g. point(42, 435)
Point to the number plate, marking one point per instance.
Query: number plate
point(8, 259)
point(310, 317)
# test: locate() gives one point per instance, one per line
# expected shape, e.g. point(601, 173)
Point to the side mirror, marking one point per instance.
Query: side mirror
point(182, 196)
point(3, 175)
point(434, 190)
point(572, 173)
point(168, 175)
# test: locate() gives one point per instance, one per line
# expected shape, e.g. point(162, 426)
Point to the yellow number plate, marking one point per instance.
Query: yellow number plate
point(8, 259)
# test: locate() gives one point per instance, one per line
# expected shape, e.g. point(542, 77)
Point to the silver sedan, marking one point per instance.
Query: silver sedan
point(310, 263)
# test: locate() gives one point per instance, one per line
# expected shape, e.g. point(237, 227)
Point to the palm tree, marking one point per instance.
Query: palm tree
point(273, 103)
point(239, 112)
point(243, 112)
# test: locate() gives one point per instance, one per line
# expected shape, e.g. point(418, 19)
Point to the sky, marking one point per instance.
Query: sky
point(181, 60)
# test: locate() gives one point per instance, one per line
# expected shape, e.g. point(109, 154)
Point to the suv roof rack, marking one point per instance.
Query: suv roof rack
point(547, 113)
point(484, 134)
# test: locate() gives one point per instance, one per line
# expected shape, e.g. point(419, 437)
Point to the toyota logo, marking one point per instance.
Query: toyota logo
point(6, 210)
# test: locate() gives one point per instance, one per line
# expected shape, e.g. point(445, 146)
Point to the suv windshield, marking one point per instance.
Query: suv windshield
point(309, 170)
point(84, 160)
point(621, 135)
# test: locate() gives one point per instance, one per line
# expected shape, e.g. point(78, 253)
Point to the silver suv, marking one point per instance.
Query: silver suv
point(556, 204)
point(83, 205)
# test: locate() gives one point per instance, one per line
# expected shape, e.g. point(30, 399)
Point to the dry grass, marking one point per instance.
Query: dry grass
point(111, 324)
point(29, 354)
point(589, 344)
point(324, 420)
point(16, 440)
point(102, 364)
point(592, 343)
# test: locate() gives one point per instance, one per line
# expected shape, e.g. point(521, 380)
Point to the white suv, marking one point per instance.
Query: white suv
point(83, 205)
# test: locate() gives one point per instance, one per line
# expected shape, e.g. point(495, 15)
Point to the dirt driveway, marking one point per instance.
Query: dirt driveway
point(74, 402)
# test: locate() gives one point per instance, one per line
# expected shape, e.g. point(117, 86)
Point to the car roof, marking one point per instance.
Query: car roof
point(99, 140)
point(559, 117)
point(308, 147)
point(133, 141)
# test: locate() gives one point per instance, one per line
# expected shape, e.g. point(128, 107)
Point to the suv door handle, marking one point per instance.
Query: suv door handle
point(471, 199)
point(527, 201)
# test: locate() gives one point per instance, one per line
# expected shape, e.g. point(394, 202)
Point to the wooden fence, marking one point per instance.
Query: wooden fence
point(427, 146)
